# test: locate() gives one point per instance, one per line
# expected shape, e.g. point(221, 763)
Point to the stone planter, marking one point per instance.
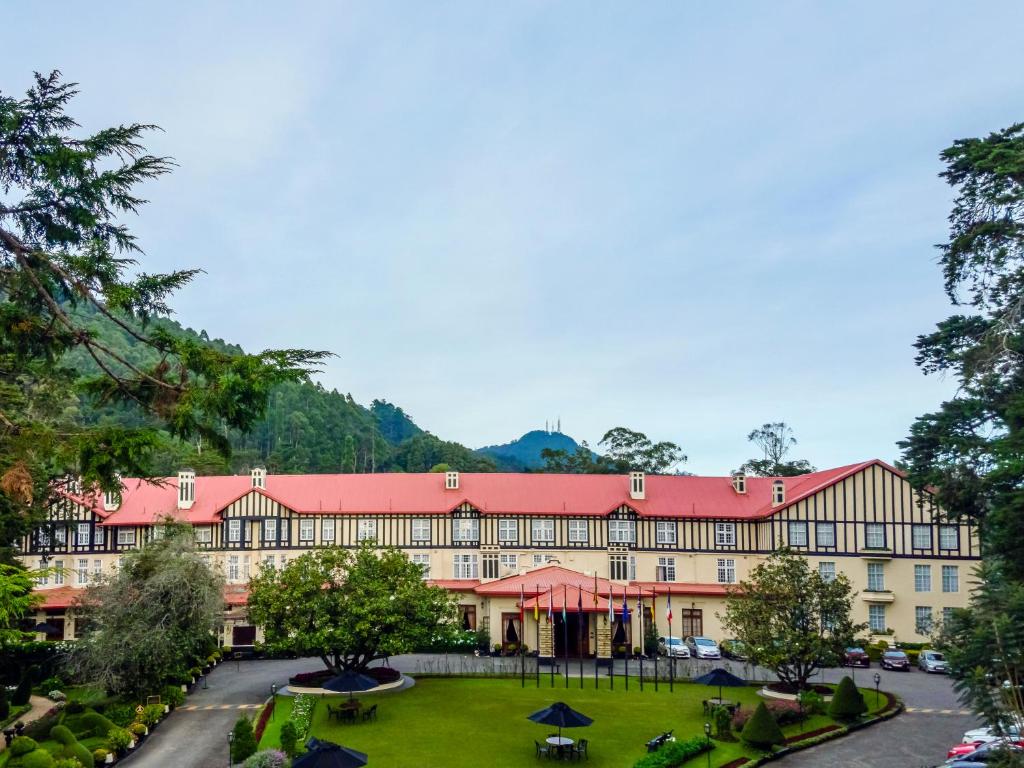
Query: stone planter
point(184, 688)
point(110, 758)
point(167, 708)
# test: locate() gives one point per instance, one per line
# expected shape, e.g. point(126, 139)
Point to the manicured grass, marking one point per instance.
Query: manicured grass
point(472, 722)
point(272, 733)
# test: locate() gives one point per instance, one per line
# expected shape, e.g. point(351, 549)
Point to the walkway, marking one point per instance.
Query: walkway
point(40, 706)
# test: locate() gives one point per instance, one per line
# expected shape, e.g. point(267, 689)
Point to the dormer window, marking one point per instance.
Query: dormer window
point(739, 482)
point(186, 488)
point(451, 481)
point(778, 493)
point(258, 477)
point(636, 485)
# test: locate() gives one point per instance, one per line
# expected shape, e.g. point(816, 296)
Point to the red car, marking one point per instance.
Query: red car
point(959, 750)
point(856, 657)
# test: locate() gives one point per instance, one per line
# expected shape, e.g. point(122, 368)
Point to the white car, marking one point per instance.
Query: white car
point(703, 648)
point(673, 646)
point(987, 734)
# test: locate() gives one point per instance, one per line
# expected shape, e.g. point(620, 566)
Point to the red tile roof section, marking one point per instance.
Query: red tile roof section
point(492, 493)
point(677, 588)
point(59, 597)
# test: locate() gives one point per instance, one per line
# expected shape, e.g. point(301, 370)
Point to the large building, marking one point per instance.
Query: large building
point(574, 539)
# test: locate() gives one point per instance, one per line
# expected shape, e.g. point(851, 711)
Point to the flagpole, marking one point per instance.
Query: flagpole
point(597, 604)
point(640, 617)
point(522, 635)
point(625, 618)
point(565, 635)
point(536, 620)
point(654, 618)
point(671, 655)
point(579, 630)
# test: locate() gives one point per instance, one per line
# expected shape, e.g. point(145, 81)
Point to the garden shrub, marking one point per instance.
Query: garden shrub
point(151, 714)
point(38, 758)
point(723, 723)
point(812, 702)
point(40, 729)
point(289, 738)
point(267, 758)
point(783, 712)
point(121, 715)
point(674, 753)
point(57, 695)
point(244, 744)
point(211, 659)
point(96, 724)
point(62, 734)
point(119, 739)
point(72, 748)
point(51, 683)
point(138, 729)
point(22, 745)
point(847, 702)
point(172, 695)
point(195, 672)
point(23, 692)
point(761, 730)
point(99, 755)
point(75, 708)
point(302, 713)
point(67, 762)
point(5, 705)
point(913, 656)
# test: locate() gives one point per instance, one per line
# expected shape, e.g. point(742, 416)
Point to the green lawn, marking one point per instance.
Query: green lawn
point(473, 722)
point(272, 733)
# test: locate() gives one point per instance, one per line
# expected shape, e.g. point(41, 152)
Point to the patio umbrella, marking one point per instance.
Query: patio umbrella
point(562, 715)
point(350, 682)
point(45, 628)
point(327, 754)
point(720, 677)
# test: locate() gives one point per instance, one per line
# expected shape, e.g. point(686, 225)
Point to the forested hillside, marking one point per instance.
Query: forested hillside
point(306, 429)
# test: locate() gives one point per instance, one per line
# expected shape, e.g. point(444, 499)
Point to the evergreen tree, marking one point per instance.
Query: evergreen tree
point(289, 738)
point(244, 743)
point(761, 730)
point(847, 702)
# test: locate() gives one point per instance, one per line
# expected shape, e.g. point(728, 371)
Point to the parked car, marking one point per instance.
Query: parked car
point(963, 749)
point(988, 734)
point(856, 657)
point(673, 646)
point(734, 649)
point(932, 661)
point(983, 755)
point(895, 660)
point(703, 648)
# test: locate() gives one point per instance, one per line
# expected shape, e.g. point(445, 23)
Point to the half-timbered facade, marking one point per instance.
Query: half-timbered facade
point(490, 537)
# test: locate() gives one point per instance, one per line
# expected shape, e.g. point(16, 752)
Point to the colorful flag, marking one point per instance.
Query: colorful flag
point(668, 608)
point(536, 605)
point(551, 610)
point(522, 604)
point(579, 601)
point(611, 605)
point(595, 589)
point(565, 615)
point(625, 607)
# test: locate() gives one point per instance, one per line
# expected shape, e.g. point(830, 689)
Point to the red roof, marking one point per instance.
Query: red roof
point(540, 580)
point(572, 597)
point(144, 502)
point(59, 597)
point(678, 588)
point(455, 585)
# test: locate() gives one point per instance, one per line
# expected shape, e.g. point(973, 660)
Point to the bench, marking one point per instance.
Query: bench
point(654, 744)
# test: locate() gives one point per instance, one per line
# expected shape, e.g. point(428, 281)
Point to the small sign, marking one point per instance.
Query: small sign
point(139, 709)
point(153, 700)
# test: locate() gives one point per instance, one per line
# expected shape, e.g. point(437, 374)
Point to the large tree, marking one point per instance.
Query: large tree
point(151, 618)
point(791, 619)
point(970, 451)
point(775, 439)
point(67, 255)
point(17, 599)
point(350, 607)
point(626, 450)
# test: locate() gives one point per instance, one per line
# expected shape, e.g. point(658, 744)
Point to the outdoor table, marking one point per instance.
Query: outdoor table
point(709, 704)
point(559, 743)
point(350, 709)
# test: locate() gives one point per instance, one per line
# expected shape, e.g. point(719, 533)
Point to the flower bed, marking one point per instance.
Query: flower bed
point(798, 737)
point(261, 724)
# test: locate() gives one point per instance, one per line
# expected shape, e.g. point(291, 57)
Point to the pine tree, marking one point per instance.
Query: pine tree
point(761, 730)
point(244, 744)
point(847, 702)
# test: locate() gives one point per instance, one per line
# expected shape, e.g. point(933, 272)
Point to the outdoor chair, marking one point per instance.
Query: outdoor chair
point(370, 714)
point(542, 750)
point(580, 750)
point(332, 712)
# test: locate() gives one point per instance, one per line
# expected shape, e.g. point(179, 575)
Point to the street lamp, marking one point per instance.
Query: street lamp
point(231, 738)
point(707, 736)
point(273, 699)
point(878, 679)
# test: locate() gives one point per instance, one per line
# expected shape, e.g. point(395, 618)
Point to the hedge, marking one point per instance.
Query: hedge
point(674, 753)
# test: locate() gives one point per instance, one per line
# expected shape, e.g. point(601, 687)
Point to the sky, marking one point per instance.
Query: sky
point(684, 218)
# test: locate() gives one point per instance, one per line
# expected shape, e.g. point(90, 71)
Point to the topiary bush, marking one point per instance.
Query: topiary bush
point(847, 702)
point(75, 708)
point(23, 692)
point(244, 744)
point(137, 729)
point(38, 758)
point(267, 758)
point(761, 730)
point(122, 715)
point(289, 738)
point(22, 745)
point(119, 739)
point(96, 724)
point(72, 747)
point(99, 755)
point(173, 696)
point(723, 723)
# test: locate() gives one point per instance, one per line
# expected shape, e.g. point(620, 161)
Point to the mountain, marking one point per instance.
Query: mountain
point(524, 453)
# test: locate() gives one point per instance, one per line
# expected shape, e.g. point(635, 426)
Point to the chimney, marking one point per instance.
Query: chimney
point(186, 488)
point(636, 486)
point(259, 477)
point(451, 481)
point(112, 499)
point(739, 481)
point(778, 493)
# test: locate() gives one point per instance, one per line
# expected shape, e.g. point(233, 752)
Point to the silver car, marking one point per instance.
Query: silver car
point(703, 648)
point(932, 661)
point(673, 646)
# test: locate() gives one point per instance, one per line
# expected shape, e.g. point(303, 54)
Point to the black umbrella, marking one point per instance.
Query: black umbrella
point(350, 682)
point(45, 628)
point(327, 754)
point(720, 677)
point(562, 715)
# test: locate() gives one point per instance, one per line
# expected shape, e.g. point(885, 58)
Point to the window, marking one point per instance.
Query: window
point(876, 577)
point(542, 559)
point(490, 566)
point(82, 572)
point(204, 535)
point(58, 572)
point(665, 532)
point(510, 562)
point(306, 530)
point(921, 536)
point(876, 618)
point(827, 570)
point(366, 530)
point(270, 530)
point(268, 562)
point(42, 537)
point(466, 567)
point(542, 531)
point(508, 531)
point(947, 615)
point(61, 534)
point(825, 535)
point(423, 561)
point(326, 531)
point(725, 534)
point(83, 533)
point(666, 569)
point(44, 579)
point(922, 619)
point(421, 529)
point(778, 492)
point(726, 570)
point(97, 569)
point(950, 578)
point(798, 534)
point(949, 537)
point(874, 535)
point(233, 568)
point(466, 529)
point(922, 578)
point(578, 533)
point(621, 531)
point(157, 532)
point(234, 530)
point(618, 567)
point(125, 535)
point(284, 561)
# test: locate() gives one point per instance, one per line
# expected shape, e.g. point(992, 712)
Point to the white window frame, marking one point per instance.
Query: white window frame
point(234, 530)
point(665, 532)
point(726, 567)
point(508, 530)
point(126, 536)
point(876, 618)
point(82, 534)
point(622, 531)
point(579, 531)
point(58, 572)
point(950, 579)
point(922, 578)
point(366, 529)
point(618, 567)
point(510, 561)
point(725, 534)
point(204, 534)
point(466, 566)
point(327, 528)
point(490, 565)
point(876, 577)
point(827, 570)
point(798, 527)
point(924, 619)
point(307, 530)
point(97, 569)
point(422, 559)
point(542, 531)
point(274, 532)
point(830, 538)
point(949, 538)
point(420, 529)
point(871, 533)
point(82, 571)
point(947, 614)
point(44, 579)
point(666, 569)
point(466, 529)
point(233, 568)
point(920, 536)
point(542, 559)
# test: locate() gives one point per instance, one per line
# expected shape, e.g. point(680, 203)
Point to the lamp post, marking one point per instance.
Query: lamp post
point(231, 739)
point(878, 679)
point(707, 737)
point(273, 699)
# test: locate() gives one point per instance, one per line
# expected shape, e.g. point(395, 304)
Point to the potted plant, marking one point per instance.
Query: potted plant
point(497, 650)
